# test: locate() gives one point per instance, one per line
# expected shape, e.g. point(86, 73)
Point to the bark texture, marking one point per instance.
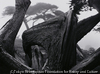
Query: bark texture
point(59, 37)
point(86, 25)
point(89, 63)
point(9, 31)
point(53, 36)
point(7, 37)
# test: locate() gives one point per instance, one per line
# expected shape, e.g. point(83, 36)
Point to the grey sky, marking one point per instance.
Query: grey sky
point(92, 39)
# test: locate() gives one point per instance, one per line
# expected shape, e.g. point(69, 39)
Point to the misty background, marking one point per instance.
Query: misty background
point(92, 39)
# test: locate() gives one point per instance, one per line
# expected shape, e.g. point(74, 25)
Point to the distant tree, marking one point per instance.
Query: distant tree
point(97, 29)
point(47, 16)
point(91, 50)
point(39, 10)
point(32, 10)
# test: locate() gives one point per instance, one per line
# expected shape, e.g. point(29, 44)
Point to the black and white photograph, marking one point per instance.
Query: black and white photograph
point(49, 36)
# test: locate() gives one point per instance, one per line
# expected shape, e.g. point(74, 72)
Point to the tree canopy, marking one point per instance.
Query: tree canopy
point(32, 10)
point(40, 10)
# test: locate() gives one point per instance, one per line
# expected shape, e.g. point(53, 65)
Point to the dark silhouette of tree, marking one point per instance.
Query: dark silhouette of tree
point(58, 36)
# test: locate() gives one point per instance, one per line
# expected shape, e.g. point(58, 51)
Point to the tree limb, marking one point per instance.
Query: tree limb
point(85, 26)
point(9, 32)
point(8, 35)
point(89, 63)
point(11, 62)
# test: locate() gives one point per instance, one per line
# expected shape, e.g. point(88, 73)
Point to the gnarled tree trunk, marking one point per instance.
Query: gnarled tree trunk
point(53, 36)
point(7, 37)
point(59, 38)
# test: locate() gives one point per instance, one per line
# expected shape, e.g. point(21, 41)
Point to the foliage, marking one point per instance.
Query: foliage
point(58, 12)
point(38, 9)
point(43, 16)
point(86, 52)
point(32, 10)
point(97, 29)
point(80, 5)
point(9, 10)
point(48, 16)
